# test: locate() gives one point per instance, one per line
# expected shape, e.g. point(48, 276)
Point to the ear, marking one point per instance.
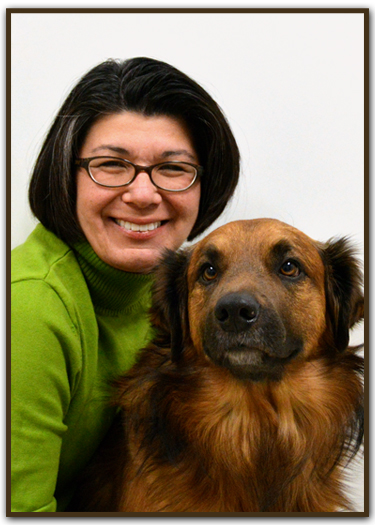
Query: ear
point(343, 286)
point(170, 297)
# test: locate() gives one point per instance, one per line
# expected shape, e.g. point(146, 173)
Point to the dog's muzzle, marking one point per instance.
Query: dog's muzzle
point(249, 339)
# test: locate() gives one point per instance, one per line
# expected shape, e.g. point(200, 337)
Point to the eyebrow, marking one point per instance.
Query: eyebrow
point(178, 152)
point(165, 155)
point(281, 249)
point(212, 254)
point(116, 149)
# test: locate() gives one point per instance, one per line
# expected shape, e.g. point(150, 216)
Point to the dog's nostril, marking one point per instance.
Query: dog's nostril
point(221, 314)
point(248, 314)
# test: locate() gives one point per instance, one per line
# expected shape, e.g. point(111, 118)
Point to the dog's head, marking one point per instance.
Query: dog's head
point(255, 295)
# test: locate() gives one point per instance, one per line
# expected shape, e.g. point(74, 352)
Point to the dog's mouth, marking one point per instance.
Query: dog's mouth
point(256, 350)
point(251, 360)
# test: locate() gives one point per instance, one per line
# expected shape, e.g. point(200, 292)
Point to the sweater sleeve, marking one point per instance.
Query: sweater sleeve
point(45, 364)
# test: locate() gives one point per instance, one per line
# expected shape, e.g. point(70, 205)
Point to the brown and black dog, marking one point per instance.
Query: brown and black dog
point(249, 398)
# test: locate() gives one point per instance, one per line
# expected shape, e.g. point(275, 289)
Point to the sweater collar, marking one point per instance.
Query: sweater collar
point(112, 290)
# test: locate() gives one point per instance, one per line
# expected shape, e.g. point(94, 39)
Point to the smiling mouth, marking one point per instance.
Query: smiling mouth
point(131, 226)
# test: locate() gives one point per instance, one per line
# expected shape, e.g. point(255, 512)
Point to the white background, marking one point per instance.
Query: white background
point(291, 86)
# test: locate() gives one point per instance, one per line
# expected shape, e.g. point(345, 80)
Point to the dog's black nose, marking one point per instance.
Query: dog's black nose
point(236, 312)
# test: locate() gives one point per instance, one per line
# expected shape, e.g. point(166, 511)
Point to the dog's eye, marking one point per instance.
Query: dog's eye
point(209, 273)
point(290, 269)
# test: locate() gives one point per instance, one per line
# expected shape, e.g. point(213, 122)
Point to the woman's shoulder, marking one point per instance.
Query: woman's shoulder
point(45, 261)
point(38, 255)
point(47, 282)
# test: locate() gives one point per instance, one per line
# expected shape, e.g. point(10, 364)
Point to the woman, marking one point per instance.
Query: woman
point(139, 159)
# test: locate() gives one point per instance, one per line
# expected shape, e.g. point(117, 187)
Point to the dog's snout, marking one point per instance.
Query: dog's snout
point(236, 312)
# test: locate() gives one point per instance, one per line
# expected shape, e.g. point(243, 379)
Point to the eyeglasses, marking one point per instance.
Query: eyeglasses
point(113, 172)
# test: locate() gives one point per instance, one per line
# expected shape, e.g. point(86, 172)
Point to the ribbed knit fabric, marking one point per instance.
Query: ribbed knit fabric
point(106, 284)
point(76, 324)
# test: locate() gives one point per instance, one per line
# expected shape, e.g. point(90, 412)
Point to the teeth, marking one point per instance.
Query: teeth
point(138, 227)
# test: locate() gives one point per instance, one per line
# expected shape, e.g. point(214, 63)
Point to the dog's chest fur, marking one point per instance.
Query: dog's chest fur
point(240, 441)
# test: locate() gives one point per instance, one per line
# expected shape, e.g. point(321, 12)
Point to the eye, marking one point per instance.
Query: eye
point(290, 269)
point(209, 273)
point(108, 165)
point(175, 169)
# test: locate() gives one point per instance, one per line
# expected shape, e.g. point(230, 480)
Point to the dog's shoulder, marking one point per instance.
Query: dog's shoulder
point(151, 362)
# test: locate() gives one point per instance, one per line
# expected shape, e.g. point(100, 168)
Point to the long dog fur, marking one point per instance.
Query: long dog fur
point(207, 428)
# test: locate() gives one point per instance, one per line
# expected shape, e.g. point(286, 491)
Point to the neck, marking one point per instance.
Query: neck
point(112, 290)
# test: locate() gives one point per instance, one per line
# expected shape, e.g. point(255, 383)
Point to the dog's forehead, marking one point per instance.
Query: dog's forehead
point(256, 239)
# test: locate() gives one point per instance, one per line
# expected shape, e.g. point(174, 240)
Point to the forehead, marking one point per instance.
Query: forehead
point(254, 242)
point(128, 130)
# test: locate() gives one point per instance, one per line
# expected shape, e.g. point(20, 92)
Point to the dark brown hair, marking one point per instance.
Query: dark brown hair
point(150, 87)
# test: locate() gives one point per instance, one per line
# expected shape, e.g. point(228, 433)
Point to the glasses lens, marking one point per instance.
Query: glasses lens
point(174, 175)
point(111, 171)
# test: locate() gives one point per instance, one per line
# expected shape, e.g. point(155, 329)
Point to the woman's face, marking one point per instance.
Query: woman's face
point(110, 217)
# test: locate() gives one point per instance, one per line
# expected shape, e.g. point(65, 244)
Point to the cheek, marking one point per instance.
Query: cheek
point(197, 306)
point(91, 199)
point(186, 205)
point(85, 201)
point(308, 317)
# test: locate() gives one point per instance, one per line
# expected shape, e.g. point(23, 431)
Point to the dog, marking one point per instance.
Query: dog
point(249, 398)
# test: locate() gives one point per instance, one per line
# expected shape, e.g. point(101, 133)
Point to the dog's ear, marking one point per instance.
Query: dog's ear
point(170, 298)
point(343, 287)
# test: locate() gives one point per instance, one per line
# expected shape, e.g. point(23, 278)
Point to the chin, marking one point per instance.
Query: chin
point(135, 261)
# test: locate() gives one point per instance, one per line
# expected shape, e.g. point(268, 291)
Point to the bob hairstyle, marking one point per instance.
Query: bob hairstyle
point(149, 87)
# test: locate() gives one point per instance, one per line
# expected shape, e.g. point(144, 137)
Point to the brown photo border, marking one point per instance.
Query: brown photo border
point(366, 43)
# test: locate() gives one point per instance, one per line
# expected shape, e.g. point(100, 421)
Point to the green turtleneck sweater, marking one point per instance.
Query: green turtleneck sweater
point(76, 323)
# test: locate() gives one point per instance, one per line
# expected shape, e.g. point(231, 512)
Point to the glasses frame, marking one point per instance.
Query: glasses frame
point(84, 163)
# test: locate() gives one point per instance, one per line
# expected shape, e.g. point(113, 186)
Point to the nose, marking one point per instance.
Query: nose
point(237, 312)
point(141, 192)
